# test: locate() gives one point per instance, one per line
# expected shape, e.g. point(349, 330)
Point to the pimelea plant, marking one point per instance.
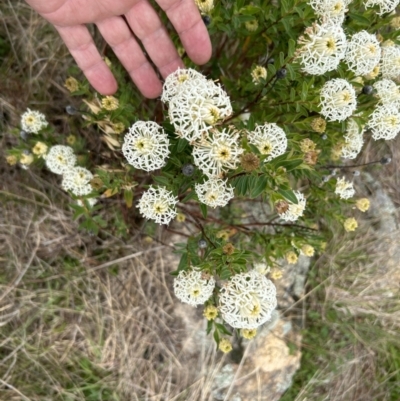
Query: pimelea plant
point(293, 87)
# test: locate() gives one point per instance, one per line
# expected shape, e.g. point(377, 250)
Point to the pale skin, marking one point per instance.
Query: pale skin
point(115, 19)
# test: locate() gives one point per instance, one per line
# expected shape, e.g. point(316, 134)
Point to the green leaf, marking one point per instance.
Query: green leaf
point(292, 47)
point(216, 336)
point(191, 195)
point(289, 195)
point(182, 143)
point(128, 197)
point(223, 329)
point(161, 180)
point(259, 188)
point(203, 209)
point(210, 324)
point(183, 262)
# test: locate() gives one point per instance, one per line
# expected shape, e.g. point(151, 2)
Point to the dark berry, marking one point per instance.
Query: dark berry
point(23, 135)
point(367, 90)
point(385, 160)
point(280, 74)
point(324, 137)
point(326, 178)
point(188, 169)
point(356, 173)
point(206, 20)
point(202, 244)
point(71, 110)
point(271, 61)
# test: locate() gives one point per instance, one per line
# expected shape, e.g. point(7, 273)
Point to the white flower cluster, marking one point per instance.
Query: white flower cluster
point(363, 53)
point(322, 48)
point(294, 211)
point(384, 122)
point(333, 11)
point(146, 146)
point(77, 180)
point(196, 104)
point(270, 140)
point(247, 300)
point(344, 189)
point(191, 288)
point(390, 63)
point(385, 6)
point(214, 192)
point(217, 152)
point(60, 159)
point(158, 204)
point(388, 92)
point(353, 140)
point(338, 100)
point(33, 121)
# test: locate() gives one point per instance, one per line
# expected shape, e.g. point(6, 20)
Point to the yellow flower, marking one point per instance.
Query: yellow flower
point(26, 159)
point(276, 274)
point(180, 217)
point(259, 72)
point(223, 234)
point(307, 145)
point(373, 74)
point(71, 84)
point(108, 62)
point(205, 6)
point(362, 204)
point(318, 125)
point(119, 128)
point(350, 224)
point(210, 312)
point(11, 160)
point(228, 249)
point(252, 25)
point(71, 139)
point(336, 151)
point(110, 103)
point(291, 258)
point(307, 250)
point(225, 346)
point(249, 333)
point(395, 22)
point(40, 149)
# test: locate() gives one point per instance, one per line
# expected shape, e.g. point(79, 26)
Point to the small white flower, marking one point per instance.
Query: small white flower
point(146, 146)
point(294, 210)
point(175, 81)
point(332, 10)
point(214, 192)
point(261, 268)
point(384, 122)
point(197, 108)
point(247, 300)
point(217, 152)
point(344, 189)
point(60, 159)
point(192, 289)
point(385, 6)
point(363, 53)
point(323, 46)
point(390, 62)
point(338, 100)
point(77, 180)
point(388, 92)
point(270, 140)
point(90, 201)
point(33, 121)
point(354, 140)
point(158, 204)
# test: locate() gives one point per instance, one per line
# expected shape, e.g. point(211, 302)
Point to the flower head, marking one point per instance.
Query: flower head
point(225, 346)
point(318, 125)
point(338, 99)
point(178, 80)
point(291, 257)
point(385, 6)
point(71, 84)
point(384, 122)
point(205, 6)
point(197, 107)
point(11, 160)
point(390, 62)
point(307, 250)
point(388, 92)
point(362, 204)
point(77, 180)
point(259, 72)
point(247, 300)
point(248, 334)
point(110, 103)
point(191, 288)
point(251, 25)
point(26, 159)
point(146, 146)
point(344, 189)
point(307, 145)
point(269, 139)
point(60, 159)
point(294, 211)
point(214, 192)
point(40, 149)
point(372, 74)
point(158, 204)
point(322, 48)
point(89, 201)
point(32, 121)
point(210, 312)
point(261, 268)
point(332, 10)
point(353, 141)
point(217, 152)
point(350, 224)
point(249, 162)
point(363, 53)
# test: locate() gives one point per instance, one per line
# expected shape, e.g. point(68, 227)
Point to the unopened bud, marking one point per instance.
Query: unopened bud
point(281, 206)
point(71, 110)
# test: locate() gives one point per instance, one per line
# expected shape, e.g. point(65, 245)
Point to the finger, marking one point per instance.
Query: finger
point(86, 55)
point(187, 21)
point(117, 34)
point(147, 26)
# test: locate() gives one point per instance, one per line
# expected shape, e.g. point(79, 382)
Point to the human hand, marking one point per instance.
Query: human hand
point(115, 19)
